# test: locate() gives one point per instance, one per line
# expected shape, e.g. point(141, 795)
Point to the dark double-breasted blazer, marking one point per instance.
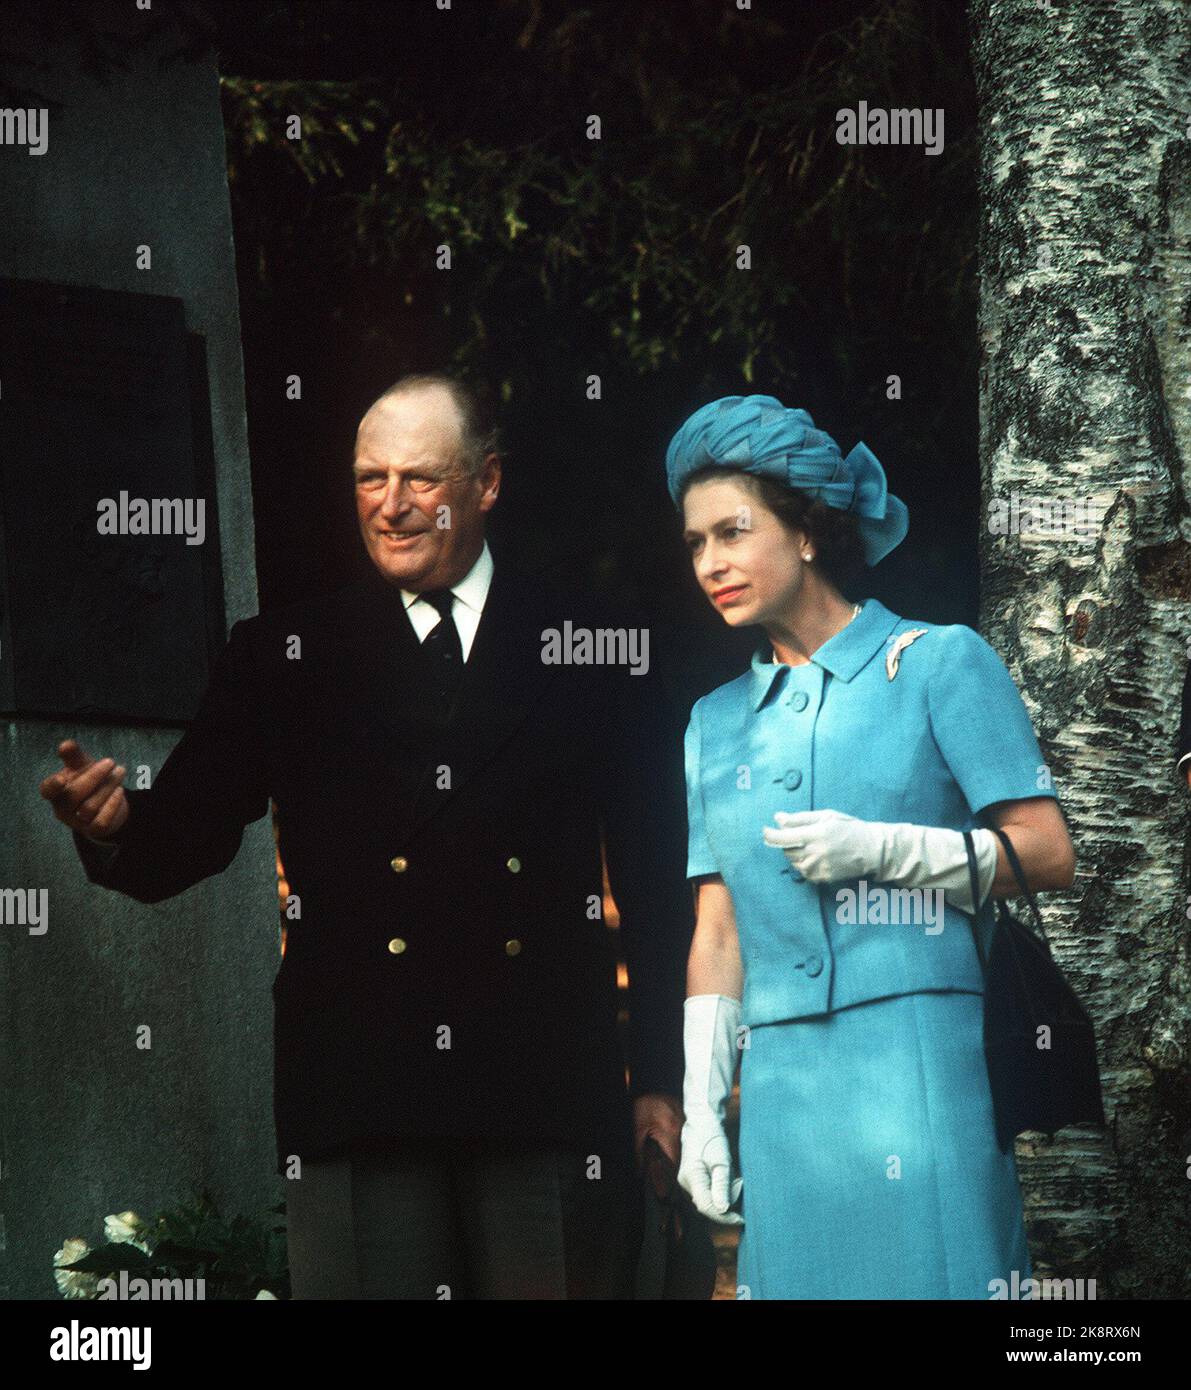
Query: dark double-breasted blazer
point(450, 973)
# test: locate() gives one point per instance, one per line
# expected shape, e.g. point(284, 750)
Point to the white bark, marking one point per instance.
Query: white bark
point(1085, 322)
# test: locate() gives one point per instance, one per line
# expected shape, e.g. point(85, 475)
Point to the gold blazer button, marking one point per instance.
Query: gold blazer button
point(514, 865)
point(397, 945)
point(400, 864)
point(513, 947)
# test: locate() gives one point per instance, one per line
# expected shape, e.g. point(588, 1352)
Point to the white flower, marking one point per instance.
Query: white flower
point(264, 1293)
point(74, 1283)
point(125, 1229)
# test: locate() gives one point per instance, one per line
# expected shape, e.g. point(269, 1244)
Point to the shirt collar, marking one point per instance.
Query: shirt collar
point(843, 655)
point(472, 589)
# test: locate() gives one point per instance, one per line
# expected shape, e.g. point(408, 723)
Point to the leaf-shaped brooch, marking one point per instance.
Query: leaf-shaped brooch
point(894, 655)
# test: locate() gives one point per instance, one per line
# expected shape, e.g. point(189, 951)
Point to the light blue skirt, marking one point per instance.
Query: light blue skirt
point(870, 1161)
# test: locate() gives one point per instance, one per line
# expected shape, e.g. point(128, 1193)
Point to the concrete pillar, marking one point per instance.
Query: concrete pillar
point(90, 1124)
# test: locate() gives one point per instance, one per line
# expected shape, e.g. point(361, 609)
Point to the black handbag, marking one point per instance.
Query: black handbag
point(1038, 1039)
point(677, 1258)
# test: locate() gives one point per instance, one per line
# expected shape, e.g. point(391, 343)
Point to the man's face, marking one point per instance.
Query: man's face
point(421, 515)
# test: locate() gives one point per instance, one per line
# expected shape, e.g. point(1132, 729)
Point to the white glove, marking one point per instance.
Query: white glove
point(829, 847)
point(710, 1022)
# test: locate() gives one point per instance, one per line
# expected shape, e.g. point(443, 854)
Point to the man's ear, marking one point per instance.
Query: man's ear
point(490, 479)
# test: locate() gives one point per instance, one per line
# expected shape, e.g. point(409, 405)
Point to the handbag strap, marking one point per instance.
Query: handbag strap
point(1002, 912)
point(1021, 880)
point(975, 899)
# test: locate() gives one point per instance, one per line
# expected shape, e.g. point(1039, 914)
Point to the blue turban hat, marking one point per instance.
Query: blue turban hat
point(762, 436)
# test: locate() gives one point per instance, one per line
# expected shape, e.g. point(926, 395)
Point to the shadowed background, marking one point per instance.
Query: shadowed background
point(613, 257)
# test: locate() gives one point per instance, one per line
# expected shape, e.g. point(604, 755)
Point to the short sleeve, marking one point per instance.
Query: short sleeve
point(981, 725)
point(700, 859)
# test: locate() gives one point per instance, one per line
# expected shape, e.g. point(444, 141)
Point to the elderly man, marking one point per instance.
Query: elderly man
point(449, 1090)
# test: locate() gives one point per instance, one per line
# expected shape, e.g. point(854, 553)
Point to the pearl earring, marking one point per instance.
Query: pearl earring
point(805, 556)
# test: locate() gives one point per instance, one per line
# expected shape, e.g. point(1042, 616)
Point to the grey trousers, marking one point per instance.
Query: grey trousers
point(454, 1219)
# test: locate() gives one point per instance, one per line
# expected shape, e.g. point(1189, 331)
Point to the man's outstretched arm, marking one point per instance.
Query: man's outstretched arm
point(155, 842)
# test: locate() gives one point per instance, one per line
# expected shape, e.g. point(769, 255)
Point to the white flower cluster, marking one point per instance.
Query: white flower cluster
point(125, 1229)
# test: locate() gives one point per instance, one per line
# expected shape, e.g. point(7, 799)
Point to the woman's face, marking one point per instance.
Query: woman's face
point(747, 562)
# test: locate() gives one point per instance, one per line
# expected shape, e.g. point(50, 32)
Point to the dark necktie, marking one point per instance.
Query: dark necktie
point(444, 651)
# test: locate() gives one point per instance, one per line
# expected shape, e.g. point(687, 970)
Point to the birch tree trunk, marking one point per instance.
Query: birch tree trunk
point(1085, 325)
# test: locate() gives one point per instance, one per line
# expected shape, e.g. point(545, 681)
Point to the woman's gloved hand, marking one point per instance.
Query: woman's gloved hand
point(710, 1023)
point(830, 847)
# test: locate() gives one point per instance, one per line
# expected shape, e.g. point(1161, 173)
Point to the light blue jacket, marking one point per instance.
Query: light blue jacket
point(947, 736)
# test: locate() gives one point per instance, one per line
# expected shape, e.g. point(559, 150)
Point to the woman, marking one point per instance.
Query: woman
point(828, 788)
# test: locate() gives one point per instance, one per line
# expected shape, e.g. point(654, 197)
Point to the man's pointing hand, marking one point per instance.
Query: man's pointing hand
point(87, 795)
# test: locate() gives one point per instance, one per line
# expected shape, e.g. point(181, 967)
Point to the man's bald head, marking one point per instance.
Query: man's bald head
point(476, 430)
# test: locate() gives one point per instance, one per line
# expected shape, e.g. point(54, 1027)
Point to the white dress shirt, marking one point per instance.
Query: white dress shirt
point(470, 594)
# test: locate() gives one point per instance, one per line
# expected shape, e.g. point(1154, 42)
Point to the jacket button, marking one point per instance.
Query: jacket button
point(799, 700)
point(513, 865)
point(400, 864)
point(792, 779)
point(397, 945)
point(814, 965)
point(513, 947)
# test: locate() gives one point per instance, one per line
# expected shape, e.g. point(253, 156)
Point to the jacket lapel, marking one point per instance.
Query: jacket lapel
point(377, 682)
point(503, 678)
